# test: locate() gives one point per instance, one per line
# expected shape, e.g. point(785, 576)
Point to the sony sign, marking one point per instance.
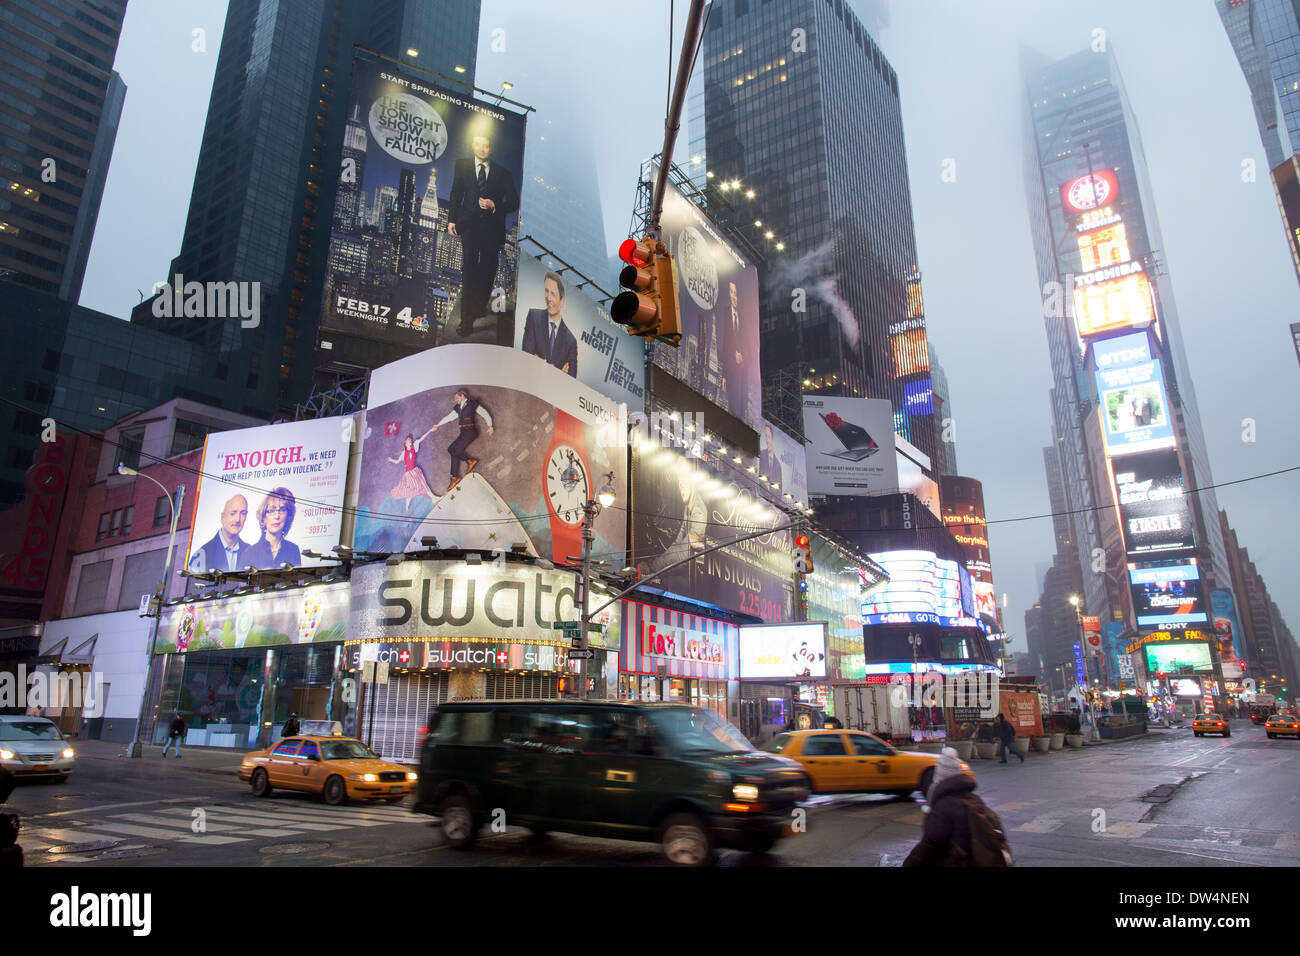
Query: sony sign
point(450, 599)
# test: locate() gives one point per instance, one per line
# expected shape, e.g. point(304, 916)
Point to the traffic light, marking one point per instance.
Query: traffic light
point(648, 307)
point(803, 562)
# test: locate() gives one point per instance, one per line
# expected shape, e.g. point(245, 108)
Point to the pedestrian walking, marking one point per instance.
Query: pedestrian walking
point(1007, 737)
point(34, 710)
point(290, 726)
point(174, 736)
point(960, 829)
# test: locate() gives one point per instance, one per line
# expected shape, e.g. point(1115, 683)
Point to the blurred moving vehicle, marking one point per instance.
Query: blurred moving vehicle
point(846, 761)
point(337, 768)
point(34, 747)
point(671, 773)
point(1283, 725)
point(1210, 724)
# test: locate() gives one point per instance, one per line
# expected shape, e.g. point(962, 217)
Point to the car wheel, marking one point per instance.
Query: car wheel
point(261, 783)
point(686, 840)
point(336, 791)
point(458, 822)
point(927, 779)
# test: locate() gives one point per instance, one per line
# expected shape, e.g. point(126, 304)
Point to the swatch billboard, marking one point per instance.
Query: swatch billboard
point(718, 300)
point(484, 448)
point(423, 244)
point(268, 494)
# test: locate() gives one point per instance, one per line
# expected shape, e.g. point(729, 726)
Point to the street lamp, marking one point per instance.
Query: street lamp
point(604, 498)
point(137, 748)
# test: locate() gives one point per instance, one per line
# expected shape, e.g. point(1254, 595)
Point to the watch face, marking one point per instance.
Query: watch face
point(566, 484)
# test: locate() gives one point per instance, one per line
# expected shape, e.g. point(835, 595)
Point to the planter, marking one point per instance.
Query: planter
point(986, 749)
point(1042, 744)
point(1022, 745)
point(931, 746)
point(1074, 740)
point(1058, 740)
point(963, 748)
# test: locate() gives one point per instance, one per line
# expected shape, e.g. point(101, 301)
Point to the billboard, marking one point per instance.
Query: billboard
point(918, 397)
point(454, 452)
point(423, 243)
point(686, 504)
point(911, 352)
point(560, 325)
point(1153, 506)
point(1135, 408)
point(851, 447)
point(1121, 351)
point(1113, 299)
point(1103, 247)
point(1167, 595)
point(922, 589)
point(718, 297)
point(783, 651)
point(1173, 656)
point(782, 461)
point(316, 614)
point(1089, 191)
point(267, 494)
point(1227, 630)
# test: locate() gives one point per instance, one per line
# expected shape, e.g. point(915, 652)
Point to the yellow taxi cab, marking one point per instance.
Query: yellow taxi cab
point(850, 761)
point(337, 768)
point(1210, 724)
point(1283, 725)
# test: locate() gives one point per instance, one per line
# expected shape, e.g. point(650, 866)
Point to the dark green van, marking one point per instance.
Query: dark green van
point(667, 773)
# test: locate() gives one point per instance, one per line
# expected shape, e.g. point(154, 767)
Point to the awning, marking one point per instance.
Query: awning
point(59, 653)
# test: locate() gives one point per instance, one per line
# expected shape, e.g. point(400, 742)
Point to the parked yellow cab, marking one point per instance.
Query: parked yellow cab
point(1283, 725)
point(1210, 724)
point(849, 761)
point(337, 768)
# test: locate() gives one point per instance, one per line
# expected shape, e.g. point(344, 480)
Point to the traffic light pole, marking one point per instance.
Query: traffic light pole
point(672, 122)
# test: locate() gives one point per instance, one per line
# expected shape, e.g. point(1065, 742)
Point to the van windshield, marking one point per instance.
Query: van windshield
point(694, 730)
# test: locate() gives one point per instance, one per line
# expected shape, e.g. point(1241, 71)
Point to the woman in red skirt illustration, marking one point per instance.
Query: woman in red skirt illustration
point(413, 483)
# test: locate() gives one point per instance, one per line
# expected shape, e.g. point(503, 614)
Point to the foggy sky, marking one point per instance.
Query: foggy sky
point(958, 69)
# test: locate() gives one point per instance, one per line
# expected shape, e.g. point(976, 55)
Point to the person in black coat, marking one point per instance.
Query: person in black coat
point(483, 194)
point(946, 835)
point(1007, 738)
point(290, 726)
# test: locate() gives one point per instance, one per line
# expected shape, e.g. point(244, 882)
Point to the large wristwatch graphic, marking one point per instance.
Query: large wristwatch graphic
point(566, 485)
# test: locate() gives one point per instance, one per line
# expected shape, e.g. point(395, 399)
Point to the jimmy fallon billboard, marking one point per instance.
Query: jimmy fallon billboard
point(484, 448)
point(423, 242)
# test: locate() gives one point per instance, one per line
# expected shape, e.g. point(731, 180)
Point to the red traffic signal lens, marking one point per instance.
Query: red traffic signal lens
point(631, 252)
point(801, 541)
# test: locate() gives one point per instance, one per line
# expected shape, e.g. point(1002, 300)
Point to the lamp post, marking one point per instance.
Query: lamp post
point(137, 747)
point(592, 508)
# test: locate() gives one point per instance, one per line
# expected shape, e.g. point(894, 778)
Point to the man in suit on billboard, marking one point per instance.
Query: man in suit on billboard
point(545, 333)
point(483, 193)
point(225, 552)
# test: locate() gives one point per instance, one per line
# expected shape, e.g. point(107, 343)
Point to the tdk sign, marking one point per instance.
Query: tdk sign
point(1122, 351)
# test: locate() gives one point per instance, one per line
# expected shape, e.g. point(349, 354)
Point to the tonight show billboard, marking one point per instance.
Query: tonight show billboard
point(1153, 503)
point(423, 248)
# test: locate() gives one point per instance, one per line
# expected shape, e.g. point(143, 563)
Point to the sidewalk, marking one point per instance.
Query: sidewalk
point(193, 759)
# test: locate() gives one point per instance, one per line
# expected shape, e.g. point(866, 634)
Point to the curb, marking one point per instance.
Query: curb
point(140, 762)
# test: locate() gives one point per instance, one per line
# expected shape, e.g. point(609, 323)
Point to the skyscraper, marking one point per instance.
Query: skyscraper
point(264, 189)
point(1265, 35)
point(60, 102)
point(842, 302)
point(1123, 402)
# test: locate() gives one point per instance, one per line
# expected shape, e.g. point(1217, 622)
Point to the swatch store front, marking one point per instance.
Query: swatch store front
point(445, 630)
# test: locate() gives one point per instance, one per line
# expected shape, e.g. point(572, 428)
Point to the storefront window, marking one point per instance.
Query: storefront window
point(218, 694)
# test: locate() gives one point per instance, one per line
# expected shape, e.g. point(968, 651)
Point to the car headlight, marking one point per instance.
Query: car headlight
point(412, 776)
point(364, 777)
point(6, 755)
point(68, 753)
point(745, 792)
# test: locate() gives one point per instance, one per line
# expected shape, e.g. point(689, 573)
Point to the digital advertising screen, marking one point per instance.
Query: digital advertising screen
point(783, 651)
point(1185, 687)
point(562, 326)
point(1227, 627)
point(1121, 351)
point(1167, 595)
point(911, 352)
point(268, 494)
point(918, 397)
point(484, 447)
point(718, 296)
point(1153, 505)
point(423, 242)
point(1099, 248)
point(1135, 408)
point(1169, 657)
point(922, 589)
point(851, 449)
point(1113, 299)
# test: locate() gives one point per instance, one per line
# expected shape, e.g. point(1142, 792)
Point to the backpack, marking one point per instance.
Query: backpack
point(988, 840)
